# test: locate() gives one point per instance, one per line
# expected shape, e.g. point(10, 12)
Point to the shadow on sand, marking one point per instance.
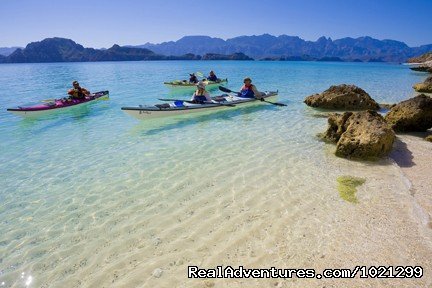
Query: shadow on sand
point(401, 154)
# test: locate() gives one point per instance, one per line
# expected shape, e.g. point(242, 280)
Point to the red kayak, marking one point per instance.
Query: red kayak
point(44, 108)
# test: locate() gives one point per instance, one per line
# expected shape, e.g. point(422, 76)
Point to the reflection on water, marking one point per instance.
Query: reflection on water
point(59, 117)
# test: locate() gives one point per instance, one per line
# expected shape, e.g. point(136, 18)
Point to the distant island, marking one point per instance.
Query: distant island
point(263, 47)
point(65, 50)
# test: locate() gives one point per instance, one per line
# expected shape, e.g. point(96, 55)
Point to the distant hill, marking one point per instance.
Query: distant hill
point(65, 50)
point(421, 59)
point(262, 47)
point(293, 47)
point(234, 56)
point(6, 51)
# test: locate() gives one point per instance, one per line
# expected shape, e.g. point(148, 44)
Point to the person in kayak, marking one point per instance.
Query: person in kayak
point(193, 78)
point(78, 92)
point(248, 90)
point(201, 95)
point(212, 76)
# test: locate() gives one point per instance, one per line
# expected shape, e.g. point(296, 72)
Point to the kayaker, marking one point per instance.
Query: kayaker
point(201, 95)
point(78, 92)
point(248, 90)
point(193, 78)
point(212, 76)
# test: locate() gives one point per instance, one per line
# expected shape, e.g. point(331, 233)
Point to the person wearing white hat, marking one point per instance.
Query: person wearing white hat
point(201, 95)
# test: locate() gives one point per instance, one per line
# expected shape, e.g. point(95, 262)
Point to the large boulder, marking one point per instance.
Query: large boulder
point(412, 115)
point(360, 135)
point(425, 87)
point(343, 97)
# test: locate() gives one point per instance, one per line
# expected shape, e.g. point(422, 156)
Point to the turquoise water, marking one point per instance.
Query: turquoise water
point(92, 195)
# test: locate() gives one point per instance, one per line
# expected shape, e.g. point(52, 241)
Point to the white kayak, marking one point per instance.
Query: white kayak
point(181, 107)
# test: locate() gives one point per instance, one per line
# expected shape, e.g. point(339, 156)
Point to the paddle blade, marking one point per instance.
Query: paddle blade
point(274, 103)
point(199, 74)
point(223, 89)
point(279, 104)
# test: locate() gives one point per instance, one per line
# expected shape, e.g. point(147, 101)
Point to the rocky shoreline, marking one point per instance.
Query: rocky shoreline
point(366, 134)
point(369, 135)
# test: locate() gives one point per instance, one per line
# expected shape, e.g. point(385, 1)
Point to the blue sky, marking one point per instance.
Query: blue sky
point(96, 23)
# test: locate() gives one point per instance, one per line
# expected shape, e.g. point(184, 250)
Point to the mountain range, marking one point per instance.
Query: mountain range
point(6, 51)
point(262, 47)
point(293, 47)
point(65, 50)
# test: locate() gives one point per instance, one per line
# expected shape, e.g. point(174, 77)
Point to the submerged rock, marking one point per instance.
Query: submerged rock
point(345, 97)
point(425, 87)
point(411, 115)
point(157, 273)
point(347, 187)
point(360, 135)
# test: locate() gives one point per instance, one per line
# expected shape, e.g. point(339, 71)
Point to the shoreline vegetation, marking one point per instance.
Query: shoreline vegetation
point(263, 48)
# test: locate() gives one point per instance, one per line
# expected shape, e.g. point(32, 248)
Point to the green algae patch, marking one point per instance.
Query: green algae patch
point(347, 187)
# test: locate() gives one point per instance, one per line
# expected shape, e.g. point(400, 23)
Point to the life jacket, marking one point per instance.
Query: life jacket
point(199, 98)
point(193, 79)
point(77, 93)
point(246, 92)
point(212, 78)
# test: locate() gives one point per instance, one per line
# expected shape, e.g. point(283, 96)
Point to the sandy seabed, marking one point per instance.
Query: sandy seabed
point(284, 224)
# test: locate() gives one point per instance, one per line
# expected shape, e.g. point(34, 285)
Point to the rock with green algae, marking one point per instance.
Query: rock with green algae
point(429, 138)
point(347, 187)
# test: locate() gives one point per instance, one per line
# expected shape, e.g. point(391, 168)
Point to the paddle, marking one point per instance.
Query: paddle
point(192, 102)
point(223, 89)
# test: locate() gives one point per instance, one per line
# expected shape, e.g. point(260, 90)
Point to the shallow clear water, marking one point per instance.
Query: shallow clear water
point(92, 195)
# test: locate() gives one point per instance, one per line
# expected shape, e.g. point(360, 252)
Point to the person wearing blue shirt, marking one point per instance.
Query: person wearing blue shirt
point(249, 90)
point(212, 77)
